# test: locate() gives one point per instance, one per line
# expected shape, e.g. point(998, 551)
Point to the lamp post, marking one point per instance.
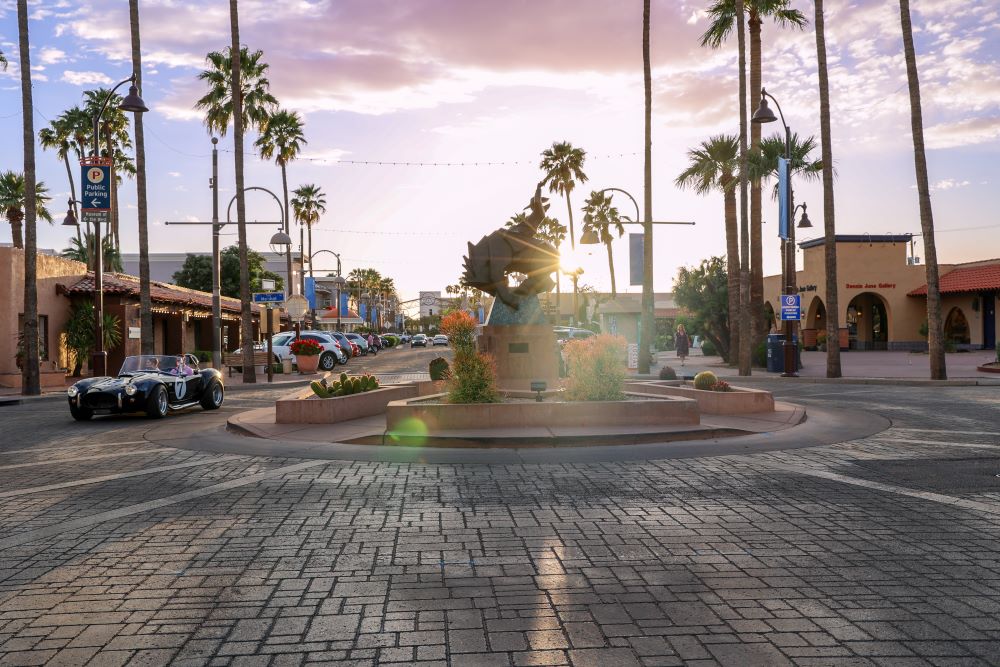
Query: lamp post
point(132, 102)
point(763, 114)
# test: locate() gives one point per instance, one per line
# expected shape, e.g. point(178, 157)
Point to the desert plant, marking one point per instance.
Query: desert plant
point(720, 385)
point(460, 327)
point(345, 386)
point(705, 380)
point(596, 368)
point(80, 333)
point(439, 369)
point(668, 373)
point(473, 379)
point(708, 348)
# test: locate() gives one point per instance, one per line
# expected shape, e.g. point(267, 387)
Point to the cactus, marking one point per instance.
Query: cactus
point(439, 368)
point(319, 389)
point(705, 380)
point(343, 378)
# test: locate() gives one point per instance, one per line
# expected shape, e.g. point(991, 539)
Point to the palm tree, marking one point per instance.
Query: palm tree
point(744, 351)
point(114, 131)
point(15, 206)
point(601, 218)
point(30, 384)
point(712, 168)
point(146, 336)
point(723, 16)
point(80, 251)
point(763, 165)
point(646, 331)
point(829, 228)
point(57, 136)
point(563, 167)
point(257, 102)
point(935, 332)
point(282, 139)
point(308, 204)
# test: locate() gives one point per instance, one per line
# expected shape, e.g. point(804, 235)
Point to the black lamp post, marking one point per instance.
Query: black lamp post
point(763, 114)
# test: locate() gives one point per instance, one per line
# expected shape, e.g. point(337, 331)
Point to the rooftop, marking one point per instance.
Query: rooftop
point(122, 283)
point(860, 238)
point(976, 278)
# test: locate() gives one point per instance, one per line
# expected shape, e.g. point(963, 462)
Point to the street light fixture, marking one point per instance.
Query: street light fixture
point(589, 237)
point(763, 114)
point(279, 239)
point(804, 221)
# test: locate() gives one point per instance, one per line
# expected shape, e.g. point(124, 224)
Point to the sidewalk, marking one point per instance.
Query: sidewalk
point(853, 364)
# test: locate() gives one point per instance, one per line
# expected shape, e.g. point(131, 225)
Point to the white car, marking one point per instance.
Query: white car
point(440, 339)
point(331, 356)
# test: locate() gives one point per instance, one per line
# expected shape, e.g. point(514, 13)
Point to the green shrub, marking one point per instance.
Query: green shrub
point(473, 379)
point(708, 348)
point(668, 373)
point(345, 386)
point(596, 368)
point(759, 356)
point(392, 340)
point(439, 369)
point(704, 380)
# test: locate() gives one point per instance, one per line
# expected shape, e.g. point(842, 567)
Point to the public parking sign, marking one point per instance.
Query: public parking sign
point(791, 307)
point(95, 175)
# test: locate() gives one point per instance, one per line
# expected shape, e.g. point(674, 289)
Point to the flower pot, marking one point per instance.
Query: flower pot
point(307, 364)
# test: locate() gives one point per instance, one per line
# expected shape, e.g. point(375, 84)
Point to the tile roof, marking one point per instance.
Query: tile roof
point(331, 314)
point(980, 278)
point(121, 283)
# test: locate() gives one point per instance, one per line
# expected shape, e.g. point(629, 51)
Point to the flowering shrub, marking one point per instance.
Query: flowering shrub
point(596, 368)
point(306, 348)
point(721, 385)
point(460, 328)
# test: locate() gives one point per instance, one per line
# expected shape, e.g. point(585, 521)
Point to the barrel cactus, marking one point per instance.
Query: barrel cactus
point(705, 380)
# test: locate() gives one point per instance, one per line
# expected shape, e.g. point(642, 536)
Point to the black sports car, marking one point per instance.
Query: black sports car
point(154, 384)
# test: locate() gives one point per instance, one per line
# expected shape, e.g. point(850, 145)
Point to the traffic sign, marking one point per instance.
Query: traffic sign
point(268, 297)
point(95, 177)
point(297, 307)
point(791, 307)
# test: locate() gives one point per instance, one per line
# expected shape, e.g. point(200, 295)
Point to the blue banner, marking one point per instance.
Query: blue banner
point(783, 184)
point(363, 311)
point(343, 304)
point(310, 294)
point(482, 315)
point(636, 247)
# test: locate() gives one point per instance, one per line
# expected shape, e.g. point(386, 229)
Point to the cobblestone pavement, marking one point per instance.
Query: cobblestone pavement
point(117, 550)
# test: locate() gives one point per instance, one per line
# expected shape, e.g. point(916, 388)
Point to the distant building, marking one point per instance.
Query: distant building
point(432, 304)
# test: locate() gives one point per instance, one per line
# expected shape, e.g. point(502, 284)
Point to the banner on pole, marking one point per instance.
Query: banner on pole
point(343, 304)
point(783, 184)
point(310, 284)
point(636, 246)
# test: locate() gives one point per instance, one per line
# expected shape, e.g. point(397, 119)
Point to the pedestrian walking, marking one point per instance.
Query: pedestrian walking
point(371, 344)
point(682, 342)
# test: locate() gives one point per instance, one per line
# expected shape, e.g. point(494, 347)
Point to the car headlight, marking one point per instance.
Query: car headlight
point(130, 389)
point(72, 391)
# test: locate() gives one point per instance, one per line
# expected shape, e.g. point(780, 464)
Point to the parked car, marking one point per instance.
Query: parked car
point(418, 340)
point(347, 344)
point(565, 334)
point(153, 384)
point(360, 341)
point(440, 339)
point(332, 353)
point(404, 338)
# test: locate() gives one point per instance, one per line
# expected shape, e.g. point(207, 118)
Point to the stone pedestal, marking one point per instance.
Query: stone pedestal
point(523, 353)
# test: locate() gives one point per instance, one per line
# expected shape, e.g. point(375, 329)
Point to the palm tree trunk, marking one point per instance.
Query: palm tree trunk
point(829, 229)
point(646, 331)
point(30, 385)
point(732, 269)
point(935, 332)
point(246, 316)
point(146, 336)
point(16, 237)
point(757, 324)
point(72, 191)
point(744, 350)
point(572, 233)
point(290, 289)
point(611, 268)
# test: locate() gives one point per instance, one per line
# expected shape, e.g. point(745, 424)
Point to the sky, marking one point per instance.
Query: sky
point(481, 88)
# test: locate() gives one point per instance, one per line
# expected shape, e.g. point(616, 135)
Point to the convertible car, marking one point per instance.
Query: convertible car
point(154, 384)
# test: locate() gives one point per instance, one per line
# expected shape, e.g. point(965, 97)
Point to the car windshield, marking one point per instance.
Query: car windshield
point(153, 363)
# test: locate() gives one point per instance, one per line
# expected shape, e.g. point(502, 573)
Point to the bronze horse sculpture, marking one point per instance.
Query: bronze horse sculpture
point(514, 250)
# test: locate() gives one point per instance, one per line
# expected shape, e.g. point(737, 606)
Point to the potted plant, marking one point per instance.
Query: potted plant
point(306, 354)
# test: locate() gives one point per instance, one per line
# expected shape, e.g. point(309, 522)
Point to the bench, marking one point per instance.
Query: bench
point(233, 360)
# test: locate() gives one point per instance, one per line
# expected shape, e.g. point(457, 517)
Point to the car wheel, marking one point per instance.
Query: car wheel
point(213, 396)
point(327, 361)
point(156, 404)
point(81, 414)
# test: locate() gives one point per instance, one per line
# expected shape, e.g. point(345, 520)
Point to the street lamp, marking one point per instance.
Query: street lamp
point(132, 102)
point(763, 114)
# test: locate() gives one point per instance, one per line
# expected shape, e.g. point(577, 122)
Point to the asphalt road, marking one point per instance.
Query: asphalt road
point(118, 549)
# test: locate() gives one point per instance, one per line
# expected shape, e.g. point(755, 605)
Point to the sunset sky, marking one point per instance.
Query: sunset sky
point(467, 81)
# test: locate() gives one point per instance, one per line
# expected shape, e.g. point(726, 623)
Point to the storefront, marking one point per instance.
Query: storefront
point(881, 295)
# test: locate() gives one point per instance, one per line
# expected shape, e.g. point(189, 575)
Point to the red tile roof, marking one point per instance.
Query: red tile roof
point(331, 313)
point(120, 283)
point(980, 278)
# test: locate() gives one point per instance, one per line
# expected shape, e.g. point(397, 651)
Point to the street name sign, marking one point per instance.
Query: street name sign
point(791, 307)
point(268, 297)
point(95, 177)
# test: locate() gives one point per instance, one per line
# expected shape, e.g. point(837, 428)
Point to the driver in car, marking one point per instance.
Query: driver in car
point(151, 364)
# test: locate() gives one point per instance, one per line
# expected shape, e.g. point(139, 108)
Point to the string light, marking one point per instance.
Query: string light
point(405, 163)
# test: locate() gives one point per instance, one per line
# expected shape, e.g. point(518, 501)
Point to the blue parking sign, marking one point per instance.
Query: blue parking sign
point(791, 307)
point(95, 179)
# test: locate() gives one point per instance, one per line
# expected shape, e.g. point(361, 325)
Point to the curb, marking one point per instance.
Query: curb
point(899, 382)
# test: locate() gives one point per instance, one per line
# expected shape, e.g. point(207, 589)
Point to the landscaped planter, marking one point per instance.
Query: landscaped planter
point(307, 408)
point(739, 401)
point(307, 363)
point(991, 367)
point(440, 416)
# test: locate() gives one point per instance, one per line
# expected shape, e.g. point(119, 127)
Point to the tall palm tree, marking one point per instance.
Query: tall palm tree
point(763, 165)
point(30, 382)
point(114, 131)
point(935, 332)
point(646, 330)
point(146, 336)
point(218, 117)
point(603, 219)
point(712, 167)
point(282, 139)
point(829, 228)
point(563, 167)
point(744, 351)
point(308, 204)
point(14, 205)
point(57, 136)
point(257, 102)
point(723, 18)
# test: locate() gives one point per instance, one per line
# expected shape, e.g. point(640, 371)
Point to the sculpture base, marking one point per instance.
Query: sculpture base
point(524, 353)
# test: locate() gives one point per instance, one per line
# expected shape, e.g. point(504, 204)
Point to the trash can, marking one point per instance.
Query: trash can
point(775, 353)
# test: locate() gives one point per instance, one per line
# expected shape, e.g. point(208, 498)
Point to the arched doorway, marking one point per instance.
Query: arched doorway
point(868, 322)
point(814, 323)
point(956, 327)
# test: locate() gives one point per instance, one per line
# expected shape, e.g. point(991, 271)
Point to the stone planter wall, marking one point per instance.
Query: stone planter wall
point(307, 408)
point(584, 414)
point(740, 401)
